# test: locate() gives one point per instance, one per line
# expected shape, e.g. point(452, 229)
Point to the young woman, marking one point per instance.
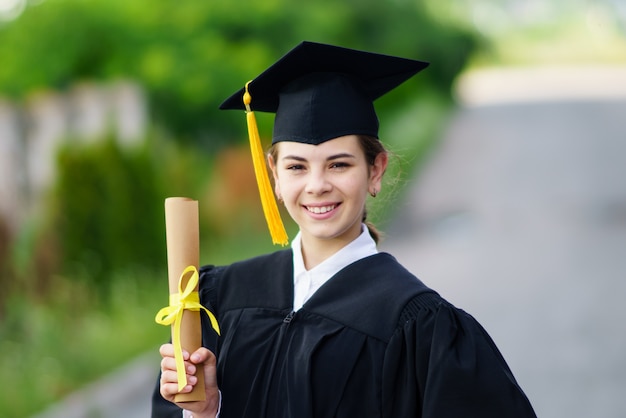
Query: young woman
point(331, 327)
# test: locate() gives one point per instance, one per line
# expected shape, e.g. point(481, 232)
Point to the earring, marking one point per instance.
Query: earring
point(373, 193)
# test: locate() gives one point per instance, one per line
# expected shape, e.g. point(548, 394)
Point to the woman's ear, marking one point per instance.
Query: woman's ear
point(377, 170)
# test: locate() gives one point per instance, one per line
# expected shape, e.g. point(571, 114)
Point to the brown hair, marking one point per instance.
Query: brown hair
point(371, 147)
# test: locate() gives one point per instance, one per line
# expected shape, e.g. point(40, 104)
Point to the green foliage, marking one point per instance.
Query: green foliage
point(109, 211)
point(190, 55)
point(50, 350)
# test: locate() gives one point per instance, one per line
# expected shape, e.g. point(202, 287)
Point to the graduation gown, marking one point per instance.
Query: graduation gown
point(373, 341)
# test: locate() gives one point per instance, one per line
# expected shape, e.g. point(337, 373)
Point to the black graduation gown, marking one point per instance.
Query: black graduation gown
point(373, 341)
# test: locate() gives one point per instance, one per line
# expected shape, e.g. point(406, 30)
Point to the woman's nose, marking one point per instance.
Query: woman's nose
point(317, 183)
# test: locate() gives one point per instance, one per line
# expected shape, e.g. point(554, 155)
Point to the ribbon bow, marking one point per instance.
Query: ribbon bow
point(173, 314)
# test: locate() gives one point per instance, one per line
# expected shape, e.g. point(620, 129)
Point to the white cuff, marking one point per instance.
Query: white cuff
point(189, 414)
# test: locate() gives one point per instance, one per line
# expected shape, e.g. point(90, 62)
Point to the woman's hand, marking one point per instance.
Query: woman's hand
point(202, 357)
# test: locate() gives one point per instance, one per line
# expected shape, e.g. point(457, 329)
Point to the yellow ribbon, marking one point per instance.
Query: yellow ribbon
point(173, 314)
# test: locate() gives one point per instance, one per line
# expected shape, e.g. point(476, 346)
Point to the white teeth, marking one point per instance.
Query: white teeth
point(320, 209)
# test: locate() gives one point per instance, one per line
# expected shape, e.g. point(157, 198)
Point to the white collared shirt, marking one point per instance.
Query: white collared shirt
point(307, 282)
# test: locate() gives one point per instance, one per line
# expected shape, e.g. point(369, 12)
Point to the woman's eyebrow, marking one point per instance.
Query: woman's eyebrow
point(340, 155)
point(293, 157)
point(329, 158)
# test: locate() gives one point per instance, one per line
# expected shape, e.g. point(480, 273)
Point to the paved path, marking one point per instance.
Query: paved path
point(125, 393)
point(519, 218)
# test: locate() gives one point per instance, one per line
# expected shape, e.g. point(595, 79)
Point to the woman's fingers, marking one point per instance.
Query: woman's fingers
point(202, 357)
point(166, 350)
point(169, 363)
point(210, 369)
point(169, 376)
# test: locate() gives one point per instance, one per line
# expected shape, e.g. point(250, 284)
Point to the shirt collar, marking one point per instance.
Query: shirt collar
point(363, 246)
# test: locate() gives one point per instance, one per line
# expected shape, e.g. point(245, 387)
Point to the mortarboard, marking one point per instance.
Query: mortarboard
point(318, 92)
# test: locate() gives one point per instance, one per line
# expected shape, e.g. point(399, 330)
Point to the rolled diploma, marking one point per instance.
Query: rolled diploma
point(183, 243)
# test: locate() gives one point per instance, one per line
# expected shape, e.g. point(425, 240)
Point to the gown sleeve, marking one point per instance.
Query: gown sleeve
point(442, 363)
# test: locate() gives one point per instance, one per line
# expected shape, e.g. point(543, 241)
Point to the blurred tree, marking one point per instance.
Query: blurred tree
point(190, 55)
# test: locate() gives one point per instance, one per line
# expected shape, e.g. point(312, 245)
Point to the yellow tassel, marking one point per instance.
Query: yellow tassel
point(270, 208)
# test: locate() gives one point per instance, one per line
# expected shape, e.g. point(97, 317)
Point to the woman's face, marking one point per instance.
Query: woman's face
point(324, 187)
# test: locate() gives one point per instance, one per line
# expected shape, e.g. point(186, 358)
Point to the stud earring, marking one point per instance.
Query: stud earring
point(373, 193)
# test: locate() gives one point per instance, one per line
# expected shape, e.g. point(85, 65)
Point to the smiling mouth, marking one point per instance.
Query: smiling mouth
point(320, 209)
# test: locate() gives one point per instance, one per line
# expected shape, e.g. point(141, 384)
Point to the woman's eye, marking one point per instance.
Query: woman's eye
point(295, 167)
point(339, 165)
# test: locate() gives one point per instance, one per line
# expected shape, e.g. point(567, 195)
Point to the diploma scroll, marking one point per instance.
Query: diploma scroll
point(183, 242)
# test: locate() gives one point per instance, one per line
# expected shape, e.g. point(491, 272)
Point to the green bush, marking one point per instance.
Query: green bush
point(108, 211)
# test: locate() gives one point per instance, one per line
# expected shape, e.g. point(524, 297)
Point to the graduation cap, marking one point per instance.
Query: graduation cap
point(318, 92)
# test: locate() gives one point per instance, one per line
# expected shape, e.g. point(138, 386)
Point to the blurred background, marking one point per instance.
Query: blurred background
point(107, 107)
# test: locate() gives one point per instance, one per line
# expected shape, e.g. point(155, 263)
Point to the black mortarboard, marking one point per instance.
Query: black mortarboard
point(318, 92)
